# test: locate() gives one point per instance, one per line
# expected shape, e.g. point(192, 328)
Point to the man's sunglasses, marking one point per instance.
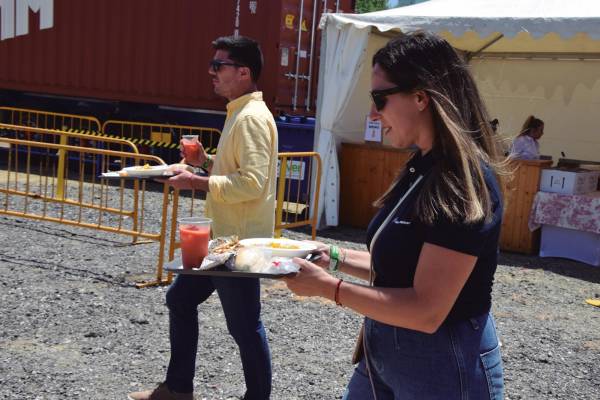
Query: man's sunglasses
point(379, 97)
point(216, 65)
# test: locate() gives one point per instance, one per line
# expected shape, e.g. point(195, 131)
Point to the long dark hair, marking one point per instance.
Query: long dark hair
point(463, 139)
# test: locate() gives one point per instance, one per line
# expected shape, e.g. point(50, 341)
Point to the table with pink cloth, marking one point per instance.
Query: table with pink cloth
point(573, 211)
point(570, 225)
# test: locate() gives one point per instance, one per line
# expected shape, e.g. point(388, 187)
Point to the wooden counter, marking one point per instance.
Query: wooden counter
point(366, 171)
point(518, 199)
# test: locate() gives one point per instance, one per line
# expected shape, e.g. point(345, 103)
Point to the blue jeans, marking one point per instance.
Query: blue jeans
point(461, 361)
point(240, 299)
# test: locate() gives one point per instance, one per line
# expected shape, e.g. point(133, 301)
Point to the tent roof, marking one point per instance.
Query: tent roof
point(533, 18)
point(562, 30)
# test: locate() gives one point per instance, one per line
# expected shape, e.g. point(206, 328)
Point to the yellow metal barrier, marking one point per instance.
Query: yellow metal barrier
point(297, 191)
point(29, 186)
point(65, 138)
point(75, 137)
point(47, 120)
point(161, 136)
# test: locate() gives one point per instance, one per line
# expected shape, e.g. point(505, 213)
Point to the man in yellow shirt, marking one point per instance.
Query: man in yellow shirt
point(241, 201)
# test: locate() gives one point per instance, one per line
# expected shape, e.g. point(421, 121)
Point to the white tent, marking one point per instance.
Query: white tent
point(527, 56)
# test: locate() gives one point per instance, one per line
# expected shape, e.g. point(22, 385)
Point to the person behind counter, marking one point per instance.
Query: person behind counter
point(526, 145)
point(433, 245)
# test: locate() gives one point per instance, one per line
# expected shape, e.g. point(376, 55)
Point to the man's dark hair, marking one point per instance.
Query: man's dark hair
point(242, 50)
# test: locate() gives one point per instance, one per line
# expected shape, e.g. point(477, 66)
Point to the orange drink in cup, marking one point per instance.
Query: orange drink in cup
point(191, 146)
point(194, 234)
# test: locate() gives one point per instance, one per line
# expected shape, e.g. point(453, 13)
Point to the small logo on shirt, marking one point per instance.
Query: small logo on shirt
point(399, 221)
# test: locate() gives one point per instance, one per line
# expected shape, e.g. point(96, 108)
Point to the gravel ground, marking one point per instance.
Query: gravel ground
point(73, 324)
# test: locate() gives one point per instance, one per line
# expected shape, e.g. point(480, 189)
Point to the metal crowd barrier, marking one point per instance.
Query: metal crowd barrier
point(31, 190)
point(298, 183)
point(47, 120)
point(298, 173)
point(157, 139)
point(67, 138)
point(161, 139)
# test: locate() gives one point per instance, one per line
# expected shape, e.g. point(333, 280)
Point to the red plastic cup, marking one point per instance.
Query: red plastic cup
point(194, 234)
point(191, 146)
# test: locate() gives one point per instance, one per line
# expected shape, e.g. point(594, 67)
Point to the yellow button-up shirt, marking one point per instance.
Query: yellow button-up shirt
point(242, 185)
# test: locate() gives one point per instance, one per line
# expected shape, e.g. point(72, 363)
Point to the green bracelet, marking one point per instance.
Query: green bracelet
point(206, 162)
point(334, 258)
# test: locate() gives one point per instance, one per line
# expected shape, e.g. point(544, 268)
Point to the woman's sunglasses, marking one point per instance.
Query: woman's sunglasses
point(379, 97)
point(216, 65)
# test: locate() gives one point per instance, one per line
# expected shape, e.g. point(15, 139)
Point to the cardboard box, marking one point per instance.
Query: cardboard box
point(568, 182)
point(571, 244)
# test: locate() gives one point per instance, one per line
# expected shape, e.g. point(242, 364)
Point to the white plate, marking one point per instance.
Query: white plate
point(299, 249)
point(154, 170)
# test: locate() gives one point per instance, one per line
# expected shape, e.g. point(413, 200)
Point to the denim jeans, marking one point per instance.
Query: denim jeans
point(460, 361)
point(240, 299)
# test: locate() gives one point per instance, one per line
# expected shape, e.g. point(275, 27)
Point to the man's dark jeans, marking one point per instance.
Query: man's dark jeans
point(240, 299)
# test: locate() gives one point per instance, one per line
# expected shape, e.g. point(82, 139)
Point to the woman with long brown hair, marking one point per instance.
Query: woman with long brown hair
point(433, 246)
point(526, 145)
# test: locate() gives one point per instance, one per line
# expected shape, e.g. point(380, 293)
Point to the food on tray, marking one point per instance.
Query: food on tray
point(221, 251)
point(251, 259)
point(145, 167)
point(283, 245)
point(143, 170)
point(275, 245)
point(256, 260)
point(153, 170)
point(229, 252)
point(281, 266)
point(173, 167)
point(225, 245)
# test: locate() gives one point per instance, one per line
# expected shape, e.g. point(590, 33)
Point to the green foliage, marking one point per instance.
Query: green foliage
point(364, 6)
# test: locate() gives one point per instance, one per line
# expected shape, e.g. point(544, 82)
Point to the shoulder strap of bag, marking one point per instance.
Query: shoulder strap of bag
point(360, 349)
point(386, 221)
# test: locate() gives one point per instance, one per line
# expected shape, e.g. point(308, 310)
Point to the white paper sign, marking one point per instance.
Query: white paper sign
point(373, 130)
point(294, 169)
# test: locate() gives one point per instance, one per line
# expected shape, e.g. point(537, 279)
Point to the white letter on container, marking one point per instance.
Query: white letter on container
point(44, 7)
point(7, 19)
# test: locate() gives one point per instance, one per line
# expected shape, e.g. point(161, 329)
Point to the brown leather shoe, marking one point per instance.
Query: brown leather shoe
point(162, 392)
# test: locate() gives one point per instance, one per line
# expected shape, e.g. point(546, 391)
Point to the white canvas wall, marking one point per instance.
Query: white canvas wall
point(350, 126)
point(565, 94)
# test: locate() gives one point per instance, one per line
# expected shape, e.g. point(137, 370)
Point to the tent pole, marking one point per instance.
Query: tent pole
point(471, 54)
point(311, 57)
point(298, 51)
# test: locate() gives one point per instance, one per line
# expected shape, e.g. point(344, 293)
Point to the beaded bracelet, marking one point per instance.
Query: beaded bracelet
point(343, 254)
point(336, 295)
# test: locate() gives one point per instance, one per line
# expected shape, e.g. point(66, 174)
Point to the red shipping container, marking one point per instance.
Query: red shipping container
point(157, 51)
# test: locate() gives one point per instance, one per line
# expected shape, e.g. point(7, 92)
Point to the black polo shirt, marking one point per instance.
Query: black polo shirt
point(399, 244)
